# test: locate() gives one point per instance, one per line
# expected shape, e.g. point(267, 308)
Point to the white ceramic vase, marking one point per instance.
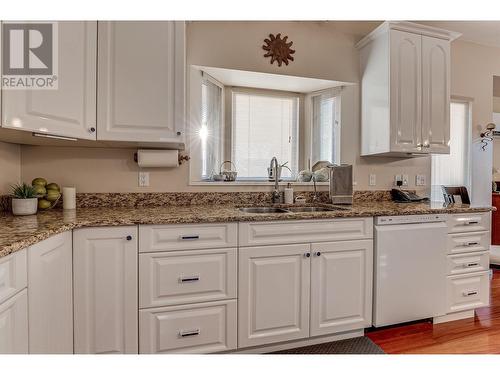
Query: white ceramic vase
point(24, 206)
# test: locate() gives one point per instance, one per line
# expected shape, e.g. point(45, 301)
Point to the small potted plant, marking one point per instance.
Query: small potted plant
point(24, 200)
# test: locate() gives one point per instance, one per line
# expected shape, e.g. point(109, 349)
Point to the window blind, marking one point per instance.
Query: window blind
point(264, 126)
point(326, 127)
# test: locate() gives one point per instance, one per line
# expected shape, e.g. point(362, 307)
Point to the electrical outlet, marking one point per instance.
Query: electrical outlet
point(405, 180)
point(143, 179)
point(373, 180)
point(420, 180)
point(397, 178)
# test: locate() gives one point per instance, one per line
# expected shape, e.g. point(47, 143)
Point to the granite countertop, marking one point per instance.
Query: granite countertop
point(18, 232)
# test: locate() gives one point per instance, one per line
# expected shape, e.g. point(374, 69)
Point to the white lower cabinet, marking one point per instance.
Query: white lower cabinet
point(196, 328)
point(274, 285)
point(466, 292)
point(105, 290)
point(50, 294)
point(14, 324)
point(341, 286)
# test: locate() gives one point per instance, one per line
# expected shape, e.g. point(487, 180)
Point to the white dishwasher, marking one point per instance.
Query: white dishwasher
point(410, 268)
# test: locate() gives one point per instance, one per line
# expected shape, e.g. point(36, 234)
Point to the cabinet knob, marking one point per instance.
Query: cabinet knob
point(179, 133)
point(318, 253)
point(307, 255)
point(92, 130)
point(129, 238)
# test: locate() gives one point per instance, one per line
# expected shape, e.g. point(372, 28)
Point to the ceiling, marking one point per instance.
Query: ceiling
point(242, 78)
point(481, 32)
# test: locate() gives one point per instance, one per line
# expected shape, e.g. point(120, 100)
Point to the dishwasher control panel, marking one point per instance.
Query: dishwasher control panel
point(410, 219)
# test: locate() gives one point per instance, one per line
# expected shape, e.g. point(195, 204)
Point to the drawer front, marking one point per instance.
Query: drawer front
point(13, 274)
point(468, 292)
point(188, 276)
point(468, 242)
point(199, 328)
point(473, 222)
point(467, 263)
point(304, 231)
point(187, 237)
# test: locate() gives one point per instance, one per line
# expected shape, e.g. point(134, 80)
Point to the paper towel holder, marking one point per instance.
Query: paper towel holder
point(181, 158)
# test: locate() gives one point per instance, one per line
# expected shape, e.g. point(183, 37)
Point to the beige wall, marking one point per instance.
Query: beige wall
point(322, 52)
point(10, 166)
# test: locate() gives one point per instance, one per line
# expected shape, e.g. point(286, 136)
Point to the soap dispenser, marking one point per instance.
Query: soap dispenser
point(289, 194)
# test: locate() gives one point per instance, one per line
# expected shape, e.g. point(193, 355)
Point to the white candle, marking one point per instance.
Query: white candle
point(69, 198)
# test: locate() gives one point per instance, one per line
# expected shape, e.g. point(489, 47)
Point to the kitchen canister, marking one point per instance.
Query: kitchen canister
point(69, 198)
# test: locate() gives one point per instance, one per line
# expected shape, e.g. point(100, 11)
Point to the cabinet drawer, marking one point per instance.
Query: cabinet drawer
point(199, 328)
point(304, 231)
point(185, 237)
point(473, 222)
point(467, 263)
point(188, 276)
point(14, 324)
point(13, 274)
point(466, 292)
point(468, 242)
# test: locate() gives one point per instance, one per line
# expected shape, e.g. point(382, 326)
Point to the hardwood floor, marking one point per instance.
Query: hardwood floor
point(480, 334)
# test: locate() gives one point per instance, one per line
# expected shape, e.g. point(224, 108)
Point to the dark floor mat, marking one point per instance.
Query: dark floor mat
point(357, 345)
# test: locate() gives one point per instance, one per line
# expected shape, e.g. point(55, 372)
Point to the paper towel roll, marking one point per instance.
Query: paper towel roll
point(158, 158)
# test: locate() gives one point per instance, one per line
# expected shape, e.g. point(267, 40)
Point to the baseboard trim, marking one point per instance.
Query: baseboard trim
point(298, 343)
point(453, 316)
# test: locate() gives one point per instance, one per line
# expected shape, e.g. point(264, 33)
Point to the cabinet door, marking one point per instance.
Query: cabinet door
point(70, 110)
point(405, 91)
point(436, 94)
point(50, 290)
point(14, 325)
point(341, 286)
point(141, 81)
point(105, 290)
point(273, 302)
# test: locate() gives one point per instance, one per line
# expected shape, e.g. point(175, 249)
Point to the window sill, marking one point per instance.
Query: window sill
point(254, 183)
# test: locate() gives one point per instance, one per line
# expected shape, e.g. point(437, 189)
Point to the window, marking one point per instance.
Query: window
point(211, 127)
point(264, 126)
point(326, 127)
point(453, 169)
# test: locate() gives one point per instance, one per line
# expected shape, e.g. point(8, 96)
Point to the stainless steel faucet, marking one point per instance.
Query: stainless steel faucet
point(276, 194)
point(315, 196)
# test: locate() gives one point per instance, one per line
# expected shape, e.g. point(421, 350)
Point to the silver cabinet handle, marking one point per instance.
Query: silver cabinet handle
point(468, 294)
point(191, 237)
point(471, 265)
point(189, 332)
point(471, 222)
point(189, 279)
point(471, 243)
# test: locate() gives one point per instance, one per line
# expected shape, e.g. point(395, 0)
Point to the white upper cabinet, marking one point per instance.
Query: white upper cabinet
point(141, 81)
point(436, 94)
point(69, 110)
point(405, 94)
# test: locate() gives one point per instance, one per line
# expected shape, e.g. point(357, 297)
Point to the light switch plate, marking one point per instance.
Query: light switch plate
point(397, 178)
point(420, 180)
point(143, 179)
point(405, 180)
point(373, 180)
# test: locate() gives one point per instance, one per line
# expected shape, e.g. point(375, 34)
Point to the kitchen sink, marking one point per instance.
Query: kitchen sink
point(263, 210)
point(313, 209)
